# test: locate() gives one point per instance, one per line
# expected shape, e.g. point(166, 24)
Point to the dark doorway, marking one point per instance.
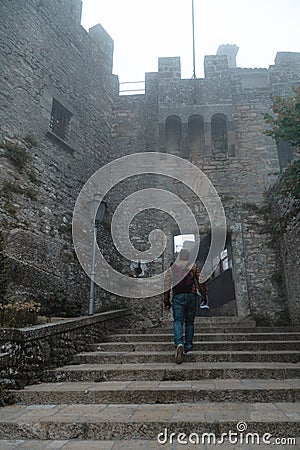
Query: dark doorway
point(220, 286)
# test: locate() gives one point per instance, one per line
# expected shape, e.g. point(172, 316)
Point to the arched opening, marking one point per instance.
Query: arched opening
point(219, 133)
point(196, 135)
point(173, 136)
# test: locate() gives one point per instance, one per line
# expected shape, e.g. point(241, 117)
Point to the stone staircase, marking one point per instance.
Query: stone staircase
point(127, 391)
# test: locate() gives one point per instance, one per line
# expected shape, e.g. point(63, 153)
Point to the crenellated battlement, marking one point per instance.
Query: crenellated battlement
point(104, 42)
point(287, 59)
point(169, 67)
point(222, 77)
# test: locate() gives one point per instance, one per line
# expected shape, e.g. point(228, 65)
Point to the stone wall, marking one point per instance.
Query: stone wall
point(26, 354)
point(241, 175)
point(46, 55)
point(284, 223)
point(289, 252)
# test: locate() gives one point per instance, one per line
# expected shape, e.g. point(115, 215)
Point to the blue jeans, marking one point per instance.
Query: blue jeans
point(184, 311)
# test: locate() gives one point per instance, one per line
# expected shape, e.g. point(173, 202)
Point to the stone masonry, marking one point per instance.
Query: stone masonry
point(54, 72)
point(47, 55)
point(241, 174)
point(127, 392)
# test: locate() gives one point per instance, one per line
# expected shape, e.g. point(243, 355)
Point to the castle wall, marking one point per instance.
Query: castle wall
point(241, 175)
point(46, 55)
point(284, 221)
point(289, 251)
point(49, 61)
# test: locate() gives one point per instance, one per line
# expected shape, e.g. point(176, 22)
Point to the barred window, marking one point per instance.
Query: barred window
point(60, 120)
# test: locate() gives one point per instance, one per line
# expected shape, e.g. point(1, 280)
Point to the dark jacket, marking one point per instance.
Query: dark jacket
point(196, 273)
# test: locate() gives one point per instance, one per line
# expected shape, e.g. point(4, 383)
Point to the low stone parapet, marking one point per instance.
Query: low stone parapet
point(26, 353)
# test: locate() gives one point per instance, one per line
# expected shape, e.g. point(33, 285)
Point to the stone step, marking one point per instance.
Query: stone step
point(195, 356)
point(211, 329)
point(145, 444)
point(173, 372)
point(198, 346)
point(231, 320)
point(227, 390)
point(145, 421)
point(129, 390)
point(164, 337)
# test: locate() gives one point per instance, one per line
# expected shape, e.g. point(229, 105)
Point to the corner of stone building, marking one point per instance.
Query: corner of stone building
point(104, 42)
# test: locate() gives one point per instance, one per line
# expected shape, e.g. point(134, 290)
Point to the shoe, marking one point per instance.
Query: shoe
point(187, 350)
point(179, 354)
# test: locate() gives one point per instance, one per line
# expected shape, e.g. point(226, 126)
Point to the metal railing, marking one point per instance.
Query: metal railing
point(139, 90)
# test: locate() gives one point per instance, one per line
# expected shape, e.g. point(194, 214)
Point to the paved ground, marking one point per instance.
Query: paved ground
point(131, 445)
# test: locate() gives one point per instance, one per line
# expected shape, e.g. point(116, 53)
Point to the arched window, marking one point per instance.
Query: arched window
point(196, 135)
point(173, 135)
point(219, 133)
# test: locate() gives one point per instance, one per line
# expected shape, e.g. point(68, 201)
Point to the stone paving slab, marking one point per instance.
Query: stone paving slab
point(129, 412)
point(173, 372)
point(184, 365)
point(128, 445)
point(201, 384)
point(161, 392)
point(109, 421)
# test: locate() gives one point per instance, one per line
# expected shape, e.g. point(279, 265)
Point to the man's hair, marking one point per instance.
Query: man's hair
point(184, 254)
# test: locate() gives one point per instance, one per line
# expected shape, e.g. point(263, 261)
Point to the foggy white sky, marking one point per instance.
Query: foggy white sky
point(144, 30)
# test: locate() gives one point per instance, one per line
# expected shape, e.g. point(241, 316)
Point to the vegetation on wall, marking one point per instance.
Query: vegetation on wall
point(60, 304)
point(281, 205)
point(17, 155)
point(16, 150)
point(283, 200)
point(19, 314)
point(10, 188)
point(285, 119)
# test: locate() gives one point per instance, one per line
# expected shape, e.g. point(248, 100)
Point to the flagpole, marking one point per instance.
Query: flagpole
point(193, 24)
